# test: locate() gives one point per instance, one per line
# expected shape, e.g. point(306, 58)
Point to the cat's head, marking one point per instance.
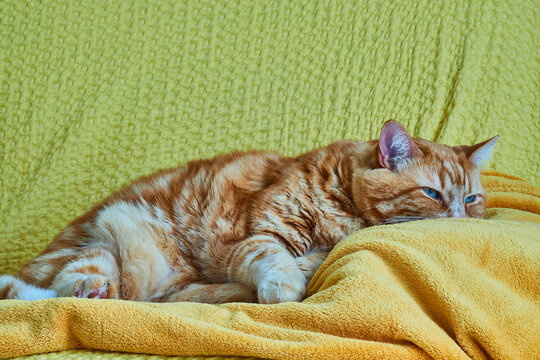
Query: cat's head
point(419, 179)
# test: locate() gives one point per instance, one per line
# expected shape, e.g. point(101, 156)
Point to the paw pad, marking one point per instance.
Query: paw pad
point(95, 288)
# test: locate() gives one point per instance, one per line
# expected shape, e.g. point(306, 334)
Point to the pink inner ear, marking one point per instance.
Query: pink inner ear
point(395, 145)
point(384, 149)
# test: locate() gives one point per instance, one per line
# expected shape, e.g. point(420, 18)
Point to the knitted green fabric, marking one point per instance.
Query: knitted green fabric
point(96, 93)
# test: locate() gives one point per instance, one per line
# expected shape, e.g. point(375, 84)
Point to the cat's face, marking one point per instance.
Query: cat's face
point(419, 179)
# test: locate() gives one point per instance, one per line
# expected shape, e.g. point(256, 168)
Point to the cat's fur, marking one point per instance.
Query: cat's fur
point(251, 226)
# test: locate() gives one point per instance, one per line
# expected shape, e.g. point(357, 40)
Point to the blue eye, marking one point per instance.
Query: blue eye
point(432, 193)
point(470, 199)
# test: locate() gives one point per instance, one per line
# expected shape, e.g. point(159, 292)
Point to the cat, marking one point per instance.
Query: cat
point(251, 226)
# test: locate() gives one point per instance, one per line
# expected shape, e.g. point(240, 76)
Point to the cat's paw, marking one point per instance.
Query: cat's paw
point(310, 263)
point(91, 287)
point(280, 290)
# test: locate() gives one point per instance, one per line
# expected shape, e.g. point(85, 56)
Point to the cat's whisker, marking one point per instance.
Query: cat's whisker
point(400, 219)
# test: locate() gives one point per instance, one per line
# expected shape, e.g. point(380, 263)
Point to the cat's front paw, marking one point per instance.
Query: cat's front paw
point(280, 290)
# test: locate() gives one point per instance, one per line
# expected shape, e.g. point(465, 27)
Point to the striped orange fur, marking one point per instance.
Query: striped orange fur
point(250, 226)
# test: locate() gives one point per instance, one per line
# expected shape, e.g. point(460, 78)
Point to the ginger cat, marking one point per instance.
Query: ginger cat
point(251, 226)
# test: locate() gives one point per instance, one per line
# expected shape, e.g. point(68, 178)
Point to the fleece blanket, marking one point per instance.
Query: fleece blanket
point(443, 289)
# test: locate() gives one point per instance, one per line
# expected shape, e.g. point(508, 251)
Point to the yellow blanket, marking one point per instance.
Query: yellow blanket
point(446, 289)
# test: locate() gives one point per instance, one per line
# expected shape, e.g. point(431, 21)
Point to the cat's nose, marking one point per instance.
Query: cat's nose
point(458, 214)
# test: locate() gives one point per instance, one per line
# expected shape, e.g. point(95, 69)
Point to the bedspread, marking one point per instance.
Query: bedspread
point(96, 93)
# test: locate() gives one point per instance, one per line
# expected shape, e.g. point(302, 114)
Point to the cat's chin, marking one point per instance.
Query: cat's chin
point(403, 219)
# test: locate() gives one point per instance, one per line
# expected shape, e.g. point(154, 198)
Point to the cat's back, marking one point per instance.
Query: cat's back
point(223, 187)
point(249, 171)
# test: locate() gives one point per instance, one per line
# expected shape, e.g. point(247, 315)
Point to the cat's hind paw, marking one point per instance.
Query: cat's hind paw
point(91, 287)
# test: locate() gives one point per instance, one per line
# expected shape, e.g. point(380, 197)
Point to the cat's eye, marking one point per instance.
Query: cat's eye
point(470, 199)
point(434, 194)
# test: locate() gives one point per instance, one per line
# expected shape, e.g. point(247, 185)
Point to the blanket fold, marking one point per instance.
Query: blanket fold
point(443, 289)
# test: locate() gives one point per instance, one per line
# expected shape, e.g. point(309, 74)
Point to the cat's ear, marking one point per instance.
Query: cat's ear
point(480, 153)
point(395, 145)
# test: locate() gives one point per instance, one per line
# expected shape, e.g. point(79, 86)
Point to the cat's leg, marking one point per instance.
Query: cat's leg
point(93, 274)
point(310, 263)
point(213, 293)
point(263, 263)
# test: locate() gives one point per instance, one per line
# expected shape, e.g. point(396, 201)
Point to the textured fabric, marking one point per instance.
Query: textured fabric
point(443, 289)
point(95, 93)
